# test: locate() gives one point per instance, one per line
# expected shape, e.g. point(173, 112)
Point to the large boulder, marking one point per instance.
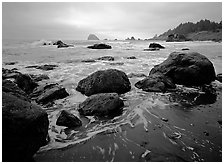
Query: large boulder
point(190, 69)
point(104, 81)
point(92, 37)
point(156, 83)
point(156, 45)
point(24, 128)
point(100, 46)
point(103, 104)
point(68, 119)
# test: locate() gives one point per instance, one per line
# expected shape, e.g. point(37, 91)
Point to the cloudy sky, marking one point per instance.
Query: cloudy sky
point(107, 20)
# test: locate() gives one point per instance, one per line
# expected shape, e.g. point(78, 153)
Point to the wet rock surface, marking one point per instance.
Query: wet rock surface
point(68, 119)
point(40, 77)
point(48, 93)
point(190, 69)
point(156, 83)
point(103, 104)
point(187, 68)
point(12, 88)
point(23, 81)
point(100, 46)
point(104, 81)
point(156, 45)
point(24, 128)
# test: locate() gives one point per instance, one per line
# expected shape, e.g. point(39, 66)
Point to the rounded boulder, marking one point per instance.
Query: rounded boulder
point(103, 104)
point(190, 69)
point(104, 81)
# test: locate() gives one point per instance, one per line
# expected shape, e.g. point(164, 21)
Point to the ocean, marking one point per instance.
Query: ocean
point(139, 133)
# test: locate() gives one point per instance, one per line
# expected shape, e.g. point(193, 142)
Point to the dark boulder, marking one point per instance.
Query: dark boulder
point(190, 69)
point(69, 120)
point(185, 49)
point(12, 88)
point(156, 45)
point(219, 77)
point(23, 81)
point(156, 83)
point(49, 93)
point(61, 44)
point(92, 37)
point(24, 129)
point(104, 81)
point(107, 58)
point(104, 104)
point(100, 46)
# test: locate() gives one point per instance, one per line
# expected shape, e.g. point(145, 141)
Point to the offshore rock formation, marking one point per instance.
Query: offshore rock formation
point(92, 37)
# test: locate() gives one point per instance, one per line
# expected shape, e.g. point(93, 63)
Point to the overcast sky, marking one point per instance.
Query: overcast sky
point(107, 20)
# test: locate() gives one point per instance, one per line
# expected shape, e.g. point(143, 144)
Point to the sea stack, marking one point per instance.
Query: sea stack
point(92, 37)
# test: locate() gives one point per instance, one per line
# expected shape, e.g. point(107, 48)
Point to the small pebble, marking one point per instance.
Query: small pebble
point(164, 119)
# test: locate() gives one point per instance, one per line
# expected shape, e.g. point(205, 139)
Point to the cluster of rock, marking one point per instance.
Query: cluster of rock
point(61, 44)
point(189, 69)
point(24, 123)
point(103, 87)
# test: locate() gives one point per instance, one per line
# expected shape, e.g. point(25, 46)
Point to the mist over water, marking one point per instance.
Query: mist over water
point(151, 127)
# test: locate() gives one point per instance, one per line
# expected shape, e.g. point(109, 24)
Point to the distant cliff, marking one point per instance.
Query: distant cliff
point(202, 30)
point(92, 37)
